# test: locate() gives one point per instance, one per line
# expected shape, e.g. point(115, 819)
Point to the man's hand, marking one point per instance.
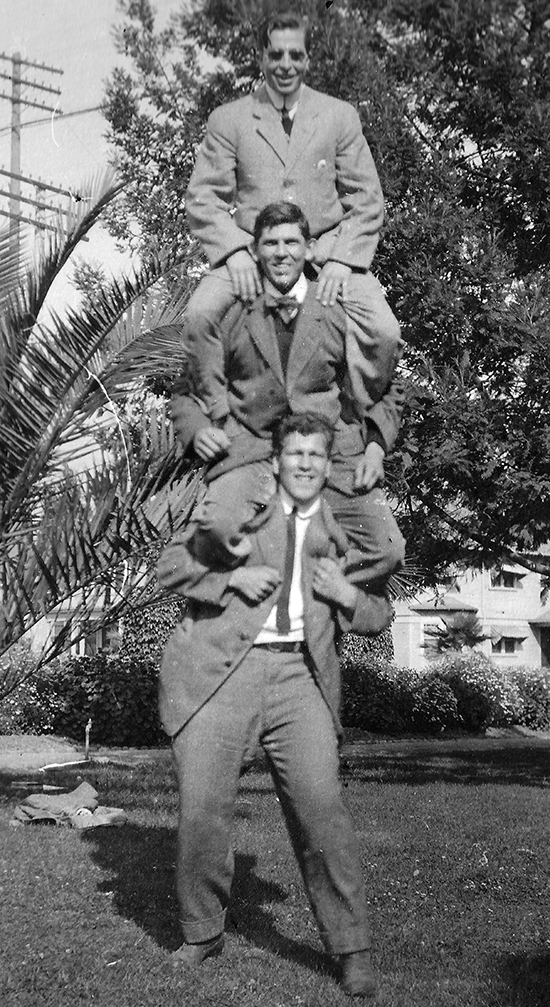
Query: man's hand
point(244, 274)
point(254, 582)
point(330, 583)
point(209, 442)
point(333, 280)
point(370, 470)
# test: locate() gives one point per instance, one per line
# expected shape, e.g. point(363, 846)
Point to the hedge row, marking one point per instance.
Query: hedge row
point(464, 690)
point(119, 696)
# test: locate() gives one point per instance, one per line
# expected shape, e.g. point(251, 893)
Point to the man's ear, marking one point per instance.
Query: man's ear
point(275, 465)
point(253, 252)
point(327, 469)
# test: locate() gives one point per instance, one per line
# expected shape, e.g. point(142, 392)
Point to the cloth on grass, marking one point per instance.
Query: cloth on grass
point(78, 810)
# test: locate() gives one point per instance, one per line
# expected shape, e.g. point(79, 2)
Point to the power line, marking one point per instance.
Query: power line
point(58, 115)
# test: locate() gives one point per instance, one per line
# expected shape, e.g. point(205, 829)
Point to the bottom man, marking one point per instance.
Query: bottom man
point(255, 660)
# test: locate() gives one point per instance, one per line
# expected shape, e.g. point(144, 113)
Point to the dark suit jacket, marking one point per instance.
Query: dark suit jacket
point(240, 383)
point(221, 626)
point(246, 161)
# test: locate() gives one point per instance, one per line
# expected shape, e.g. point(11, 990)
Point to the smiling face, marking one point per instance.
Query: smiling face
point(285, 61)
point(281, 253)
point(303, 467)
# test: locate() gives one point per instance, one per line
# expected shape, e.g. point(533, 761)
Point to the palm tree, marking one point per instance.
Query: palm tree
point(460, 631)
point(80, 509)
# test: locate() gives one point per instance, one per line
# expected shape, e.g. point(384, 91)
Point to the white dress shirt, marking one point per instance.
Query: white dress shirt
point(268, 633)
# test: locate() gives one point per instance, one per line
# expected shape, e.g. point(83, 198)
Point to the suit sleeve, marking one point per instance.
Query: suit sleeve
point(383, 419)
point(373, 613)
point(182, 572)
point(188, 416)
point(211, 192)
point(355, 239)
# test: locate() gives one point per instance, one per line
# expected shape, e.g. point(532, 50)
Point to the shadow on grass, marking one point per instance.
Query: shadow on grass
point(527, 978)
point(139, 864)
point(514, 765)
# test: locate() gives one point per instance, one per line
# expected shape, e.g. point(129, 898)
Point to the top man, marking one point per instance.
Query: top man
point(286, 141)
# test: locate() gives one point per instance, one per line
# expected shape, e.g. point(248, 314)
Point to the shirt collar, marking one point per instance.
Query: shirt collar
point(278, 100)
point(289, 504)
point(299, 290)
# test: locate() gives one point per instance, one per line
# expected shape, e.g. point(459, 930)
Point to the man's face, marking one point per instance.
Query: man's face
point(285, 61)
point(303, 466)
point(281, 254)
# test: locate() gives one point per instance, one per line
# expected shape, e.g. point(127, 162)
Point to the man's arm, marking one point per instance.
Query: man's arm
point(353, 243)
point(182, 570)
point(198, 419)
point(359, 611)
point(381, 429)
point(185, 568)
point(212, 190)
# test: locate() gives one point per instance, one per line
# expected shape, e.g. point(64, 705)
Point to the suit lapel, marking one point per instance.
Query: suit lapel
point(261, 331)
point(306, 122)
point(268, 124)
point(306, 337)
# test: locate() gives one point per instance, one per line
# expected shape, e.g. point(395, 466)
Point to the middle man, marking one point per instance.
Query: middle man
point(287, 353)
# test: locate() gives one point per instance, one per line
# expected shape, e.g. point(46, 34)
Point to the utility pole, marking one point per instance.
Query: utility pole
point(18, 66)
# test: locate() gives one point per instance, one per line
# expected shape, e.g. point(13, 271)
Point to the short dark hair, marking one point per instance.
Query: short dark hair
point(275, 214)
point(304, 424)
point(279, 22)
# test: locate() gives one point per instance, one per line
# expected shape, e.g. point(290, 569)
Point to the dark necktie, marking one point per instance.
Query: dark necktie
point(286, 120)
point(283, 615)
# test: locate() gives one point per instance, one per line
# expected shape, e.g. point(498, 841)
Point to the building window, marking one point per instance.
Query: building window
point(506, 645)
point(506, 578)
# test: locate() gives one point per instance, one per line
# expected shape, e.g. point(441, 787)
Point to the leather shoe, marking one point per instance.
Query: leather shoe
point(193, 955)
point(357, 974)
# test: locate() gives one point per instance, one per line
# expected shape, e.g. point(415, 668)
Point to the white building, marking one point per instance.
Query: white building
point(508, 603)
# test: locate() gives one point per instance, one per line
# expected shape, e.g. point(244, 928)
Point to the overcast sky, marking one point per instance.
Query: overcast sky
point(74, 36)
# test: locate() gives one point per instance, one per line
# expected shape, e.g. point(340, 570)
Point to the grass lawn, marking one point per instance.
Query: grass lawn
point(456, 861)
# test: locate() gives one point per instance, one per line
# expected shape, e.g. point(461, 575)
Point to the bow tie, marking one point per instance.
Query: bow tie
point(284, 302)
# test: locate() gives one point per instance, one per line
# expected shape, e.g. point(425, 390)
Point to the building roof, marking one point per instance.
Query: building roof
point(509, 630)
point(442, 604)
point(542, 619)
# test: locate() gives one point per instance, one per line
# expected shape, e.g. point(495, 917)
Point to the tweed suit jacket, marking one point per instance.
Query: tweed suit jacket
point(325, 167)
point(241, 386)
point(221, 626)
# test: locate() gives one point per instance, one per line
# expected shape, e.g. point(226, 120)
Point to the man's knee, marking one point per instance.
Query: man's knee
point(210, 300)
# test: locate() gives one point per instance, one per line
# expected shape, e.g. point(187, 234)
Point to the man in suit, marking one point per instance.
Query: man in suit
point(268, 361)
point(255, 661)
point(286, 141)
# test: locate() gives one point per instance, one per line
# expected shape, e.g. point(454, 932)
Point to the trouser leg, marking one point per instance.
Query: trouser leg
point(209, 301)
point(373, 339)
point(301, 744)
point(230, 504)
point(377, 545)
point(208, 754)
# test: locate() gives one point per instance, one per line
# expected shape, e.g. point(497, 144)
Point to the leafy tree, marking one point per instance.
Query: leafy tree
point(461, 631)
point(455, 102)
point(80, 506)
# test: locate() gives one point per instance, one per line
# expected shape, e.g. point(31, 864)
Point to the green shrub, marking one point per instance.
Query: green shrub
point(485, 695)
point(533, 687)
